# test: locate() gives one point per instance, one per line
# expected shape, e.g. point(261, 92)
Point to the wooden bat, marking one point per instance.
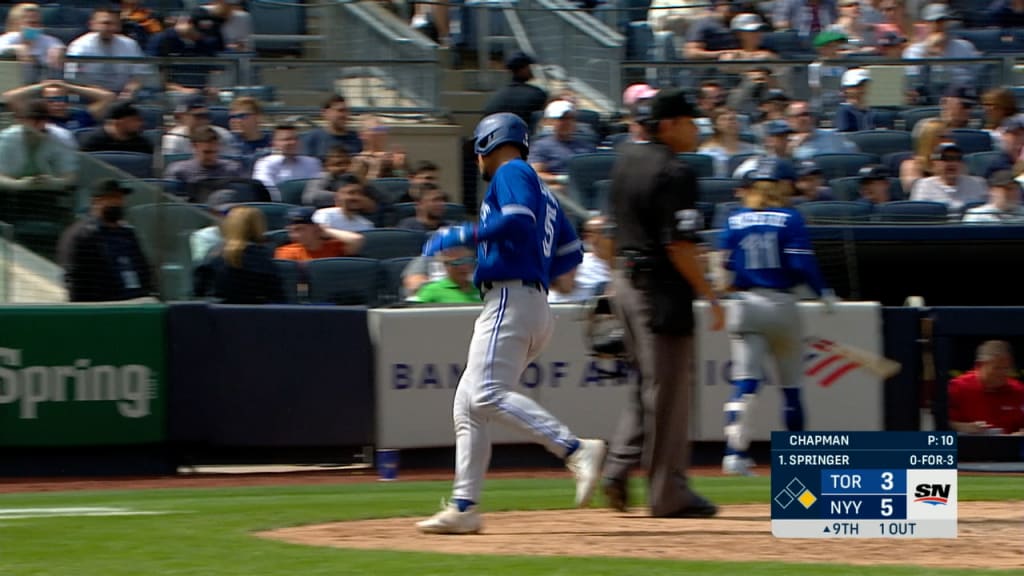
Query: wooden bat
point(874, 363)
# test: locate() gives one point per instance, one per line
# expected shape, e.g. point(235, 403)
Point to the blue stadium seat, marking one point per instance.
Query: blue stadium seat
point(276, 238)
point(291, 273)
point(390, 190)
point(848, 188)
point(986, 40)
point(344, 281)
point(983, 164)
point(786, 43)
point(717, 190)
point(886, 116)
point(702, 164)
point(384, 243)
point(639, 41)
point(835, 212)
point(392, 289)
point(586, 169)
point(133, 163)
point(894, 160)
point(275, 213)
point(971, 141)
point(152, 116)
point(291, 190)
point(283, 19)
point(846, 164)
point(914, 115)
point(175, 187)
point(881, 142)
point(912, 212)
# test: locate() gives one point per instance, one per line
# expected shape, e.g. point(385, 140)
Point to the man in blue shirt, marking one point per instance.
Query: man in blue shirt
point(524, 242)
point(550, 155)
point(318, 142)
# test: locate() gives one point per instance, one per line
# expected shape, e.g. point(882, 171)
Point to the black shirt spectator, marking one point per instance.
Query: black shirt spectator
point(121, 132)
point(519, 98)
point(1006, 14)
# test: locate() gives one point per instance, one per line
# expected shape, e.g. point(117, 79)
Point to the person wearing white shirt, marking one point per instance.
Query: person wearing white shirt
point(192, 114)
point(121, 78)
point(949, 185)
point(1003, 205)
point(26, 41)
point(345, 214)
point(593, 272)
point(285, 163)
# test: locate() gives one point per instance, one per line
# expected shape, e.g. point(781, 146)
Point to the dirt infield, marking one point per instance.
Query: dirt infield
point(740, 533)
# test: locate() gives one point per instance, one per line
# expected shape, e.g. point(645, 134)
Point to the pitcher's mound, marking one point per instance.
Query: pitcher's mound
point(988, 532)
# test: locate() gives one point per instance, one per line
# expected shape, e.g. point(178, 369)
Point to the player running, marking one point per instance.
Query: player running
point(524, 242)
point(767, 249)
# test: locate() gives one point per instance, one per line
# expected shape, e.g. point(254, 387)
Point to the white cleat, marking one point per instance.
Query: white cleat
point(586, 463)
point(450, 521)
point(733, 465)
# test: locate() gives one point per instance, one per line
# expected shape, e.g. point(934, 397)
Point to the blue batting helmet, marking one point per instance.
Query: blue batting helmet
point(498, 129)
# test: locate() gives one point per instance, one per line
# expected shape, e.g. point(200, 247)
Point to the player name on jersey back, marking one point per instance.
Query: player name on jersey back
point(758, 218)
point(864, 485)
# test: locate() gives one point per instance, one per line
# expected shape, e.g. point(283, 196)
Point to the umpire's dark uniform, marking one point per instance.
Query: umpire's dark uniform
point(654, 198)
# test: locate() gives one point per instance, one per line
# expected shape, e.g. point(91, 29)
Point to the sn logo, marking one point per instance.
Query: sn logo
point(934, 494)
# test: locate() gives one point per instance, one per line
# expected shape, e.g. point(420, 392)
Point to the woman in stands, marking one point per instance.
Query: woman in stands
point(24, 39)
point(932, 133)
point(242, 271)
point(725, 142)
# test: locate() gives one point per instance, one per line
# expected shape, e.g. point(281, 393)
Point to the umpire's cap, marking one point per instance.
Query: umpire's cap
point(498, 129)
point(672, 103)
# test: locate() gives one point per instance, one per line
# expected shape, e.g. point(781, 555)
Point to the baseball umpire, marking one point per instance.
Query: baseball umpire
point(656, 278)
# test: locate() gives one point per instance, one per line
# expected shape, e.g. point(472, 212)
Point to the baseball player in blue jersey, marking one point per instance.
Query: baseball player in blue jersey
point(768, 251)
point(524, 243)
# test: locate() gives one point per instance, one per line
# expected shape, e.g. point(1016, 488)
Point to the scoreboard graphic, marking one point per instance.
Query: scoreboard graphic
point(864, 484)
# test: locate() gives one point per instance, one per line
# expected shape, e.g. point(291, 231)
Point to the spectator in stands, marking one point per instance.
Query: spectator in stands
point(986, 400)
point(928, 134)
point(772, 106)
point(242, 271)
point(859, 33)
point(383, 161)
point(675, 16)
point(1006, 13)
point(808, 141)
point(56, 93)
point(206, 163)
point(631, 97)
point(285, 163)
point(457, 285)
point(897, 20)
point(429, 210)
point(950, 185)
point(335, 131)
point(310, 240)
point(101, 257)
point(245, 116)
point(810, 184)
point(807, 17)
point(593, 274)
point(120, 132)
point(1011, 141)
point(236, 26)
point(349, 201)
point(711, 38)
point(34, 161)
point(193, 36)
point(26, 40)
point(754, 84)
point(776, 146)
point(749, 29)
point(853, 114)
point(192, 114)
point(204, 240)
point(957, 105)
point(874, 185)
point(1003, 205)
point(550, 154)
point(725, 141)
point(824, 78)
point(711, 95)
point(139, 22)
point(105, 40)
point(891, 45)
point(520, 97)
point(928, 81)
point(319, 193)
point(999, 105)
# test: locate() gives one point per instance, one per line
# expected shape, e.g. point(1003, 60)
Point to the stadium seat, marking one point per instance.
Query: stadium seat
point(848, 188)
point(735, 161)
point(914, 115)
point(912, 212)
point(291, 190)
point(384, 243)
point(982, 164)
point(989, 40)
point(392, 290)
point(175, 187)
point(971, 141)
point(402, 210)
point(894, 160)
point(840, 165)
point(717, 190)
point(152, 117)
point(722, 213)
point(455, 212)
point(275, 213)
point(591, 118)
point(885, 116)
point(344, 281)
point(881, 142)
point(786, 43)
point(603, 196)
point(132, 163)
point(834, 212)
point(270, 19)
point(390, 190)
point(702, 164)
point(276, 238)
point(586, 169)
point(164, 230)
point(291, 273)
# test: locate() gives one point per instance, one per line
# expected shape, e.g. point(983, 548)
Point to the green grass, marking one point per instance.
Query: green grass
point(209, 532)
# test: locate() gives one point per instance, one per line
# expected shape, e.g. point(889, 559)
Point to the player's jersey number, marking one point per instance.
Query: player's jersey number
point(760, 250)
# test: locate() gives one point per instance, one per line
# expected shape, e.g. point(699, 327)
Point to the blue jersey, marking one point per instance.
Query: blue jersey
point(523, 233)
point(770, 248)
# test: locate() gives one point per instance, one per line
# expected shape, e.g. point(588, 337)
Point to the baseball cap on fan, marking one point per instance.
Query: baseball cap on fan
point(936, 12)
point(559, 109)
point(855, 77)
point(636, 92)
point(748, 22)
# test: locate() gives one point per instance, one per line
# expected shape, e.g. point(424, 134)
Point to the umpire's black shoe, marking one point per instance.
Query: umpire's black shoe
point(699, 507)
point(616, 493)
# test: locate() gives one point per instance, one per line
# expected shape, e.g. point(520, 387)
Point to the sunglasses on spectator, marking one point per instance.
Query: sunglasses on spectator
point(56, 98)
point(461, 261)
point(239, 116)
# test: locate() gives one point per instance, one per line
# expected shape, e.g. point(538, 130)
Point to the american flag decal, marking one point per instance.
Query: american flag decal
point(825, 365)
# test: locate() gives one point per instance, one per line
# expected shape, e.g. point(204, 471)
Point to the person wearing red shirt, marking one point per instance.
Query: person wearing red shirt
point(986, 399)
point(311, 240)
